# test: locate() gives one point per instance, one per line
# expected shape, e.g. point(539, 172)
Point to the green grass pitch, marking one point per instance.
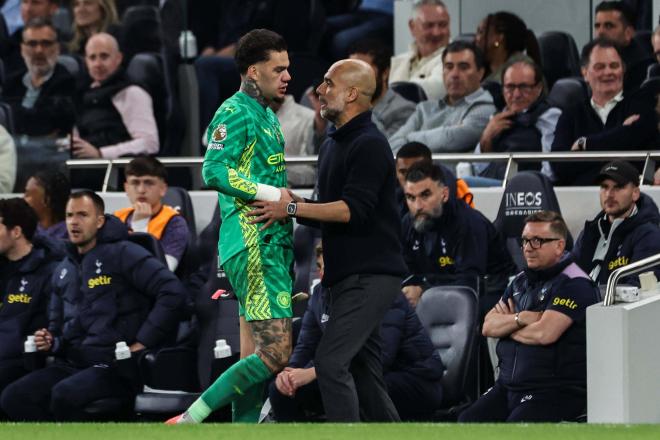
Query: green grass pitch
point(403, 431)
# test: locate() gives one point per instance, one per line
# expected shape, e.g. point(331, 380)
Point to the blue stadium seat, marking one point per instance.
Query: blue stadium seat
point(567, 91)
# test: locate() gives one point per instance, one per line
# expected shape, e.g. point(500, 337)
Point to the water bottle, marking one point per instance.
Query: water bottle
point(222, 358)
point(126, 364)
point(187, 45)
point(31, 357)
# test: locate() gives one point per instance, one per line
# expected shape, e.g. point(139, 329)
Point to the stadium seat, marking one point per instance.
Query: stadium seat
point(7, 117)
point(72, 63)
point(179, 199)
point(567, 91)
point(141, 30)
point(526, 193)
point(149, 70)
point(409, 90)
point(450, 316)
point(559, 55)
point(653, 71)
point(495, 90)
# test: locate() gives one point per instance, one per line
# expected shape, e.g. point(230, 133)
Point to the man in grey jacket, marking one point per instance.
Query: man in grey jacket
point(454, 123)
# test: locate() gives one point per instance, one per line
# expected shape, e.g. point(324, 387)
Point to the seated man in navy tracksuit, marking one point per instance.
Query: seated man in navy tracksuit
point(541, 325)
point(411, 368)
point(447, 242)
point(27, 262)
point(107, 290)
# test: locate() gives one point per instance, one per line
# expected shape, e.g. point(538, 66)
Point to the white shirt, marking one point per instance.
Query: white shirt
point(425, 71)
point(604, 111)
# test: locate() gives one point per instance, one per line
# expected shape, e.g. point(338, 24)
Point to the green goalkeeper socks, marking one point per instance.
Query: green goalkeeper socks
point(238, 382)
point(246, 408)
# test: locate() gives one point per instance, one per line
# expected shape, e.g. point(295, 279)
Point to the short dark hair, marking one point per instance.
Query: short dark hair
point(38, 23)
point(603, 43)
point(16, 212)
point(557, 223)
point(254, 47)
point(377, 50)
point(56, 191)
point(460, 46)
point(425, 170)
point(146, 166)
point(96, 199)
point(627, 14)
point(538, 73)
point(414, 149)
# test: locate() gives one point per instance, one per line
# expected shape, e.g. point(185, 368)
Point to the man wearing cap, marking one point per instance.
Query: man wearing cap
point(626, 230)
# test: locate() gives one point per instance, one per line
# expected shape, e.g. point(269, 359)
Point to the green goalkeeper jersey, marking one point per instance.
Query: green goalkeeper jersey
point(245, 147)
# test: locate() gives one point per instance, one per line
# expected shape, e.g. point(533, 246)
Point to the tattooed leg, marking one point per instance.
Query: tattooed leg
point(272, 339)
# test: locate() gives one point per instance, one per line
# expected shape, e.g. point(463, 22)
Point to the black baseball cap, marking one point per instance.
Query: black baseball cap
point(620, 171)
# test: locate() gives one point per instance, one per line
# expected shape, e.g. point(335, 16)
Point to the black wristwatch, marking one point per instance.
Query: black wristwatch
point(292, 208)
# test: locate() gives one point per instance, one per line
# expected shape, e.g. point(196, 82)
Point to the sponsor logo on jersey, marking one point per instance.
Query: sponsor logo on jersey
point(102, 280)
point(566, 302)
point(618, 262)
point(445, 260)
point(23, 298)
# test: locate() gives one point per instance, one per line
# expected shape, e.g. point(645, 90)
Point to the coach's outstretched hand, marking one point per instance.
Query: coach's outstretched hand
point(270, 212)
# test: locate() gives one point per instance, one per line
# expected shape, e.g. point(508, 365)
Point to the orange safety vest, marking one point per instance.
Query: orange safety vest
point(157, 223)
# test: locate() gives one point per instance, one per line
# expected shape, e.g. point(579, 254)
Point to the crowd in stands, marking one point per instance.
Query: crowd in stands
point(79, 280)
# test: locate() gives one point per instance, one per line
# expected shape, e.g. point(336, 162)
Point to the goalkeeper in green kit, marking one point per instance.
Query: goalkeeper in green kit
point(244, 162)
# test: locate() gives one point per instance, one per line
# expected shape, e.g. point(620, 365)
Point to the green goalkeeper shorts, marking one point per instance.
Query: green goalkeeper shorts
point(261, 278)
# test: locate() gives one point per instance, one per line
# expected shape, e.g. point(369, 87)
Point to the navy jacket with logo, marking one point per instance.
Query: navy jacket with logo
point(24, 298)
point(636, 238)
point(566, 289)
point(461, 247)
point(115, 292)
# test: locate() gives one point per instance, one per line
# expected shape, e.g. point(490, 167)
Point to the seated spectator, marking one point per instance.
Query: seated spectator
point(655, 41)
point(107, 290)
point(115, 118)
point(411, 369)
point(7, 162)
point(41, 98)
point(504, 38)
point(371, 19)
point(625, 231)
point(430, 28)
point(389, 109)
point(609, 119)
point(145, 186)
point(446, 242)
point(27, 262)
point(615, 21)
point(454, 123)
point(47, 192)
point(11, 12)
point(541, 325)
point(414, 152)
point(91, 17)
point(299, 128)
point(10, 48)
point(527, 123)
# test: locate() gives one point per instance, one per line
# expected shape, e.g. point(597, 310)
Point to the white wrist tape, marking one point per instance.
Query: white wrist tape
point(267, 193)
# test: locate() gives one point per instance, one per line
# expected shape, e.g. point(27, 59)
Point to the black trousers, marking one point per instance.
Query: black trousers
point(413, 397)
point(10, 371)
point(61, 392)
point(347, 360)
point(548, 405)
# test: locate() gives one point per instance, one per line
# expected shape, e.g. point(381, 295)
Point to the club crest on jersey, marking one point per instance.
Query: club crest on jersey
point(220, 133)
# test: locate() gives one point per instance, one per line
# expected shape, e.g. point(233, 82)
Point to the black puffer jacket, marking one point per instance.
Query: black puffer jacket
point(115, 292)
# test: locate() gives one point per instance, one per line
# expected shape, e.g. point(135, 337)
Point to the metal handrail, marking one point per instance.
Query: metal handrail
point(649, 157)
point(629, 269)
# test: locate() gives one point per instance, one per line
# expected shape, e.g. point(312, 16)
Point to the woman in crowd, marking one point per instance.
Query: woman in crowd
point(47, 193)
point(91, 17)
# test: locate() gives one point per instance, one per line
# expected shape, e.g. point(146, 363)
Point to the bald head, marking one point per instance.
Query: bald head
point(346, 91)
point(102, 56)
